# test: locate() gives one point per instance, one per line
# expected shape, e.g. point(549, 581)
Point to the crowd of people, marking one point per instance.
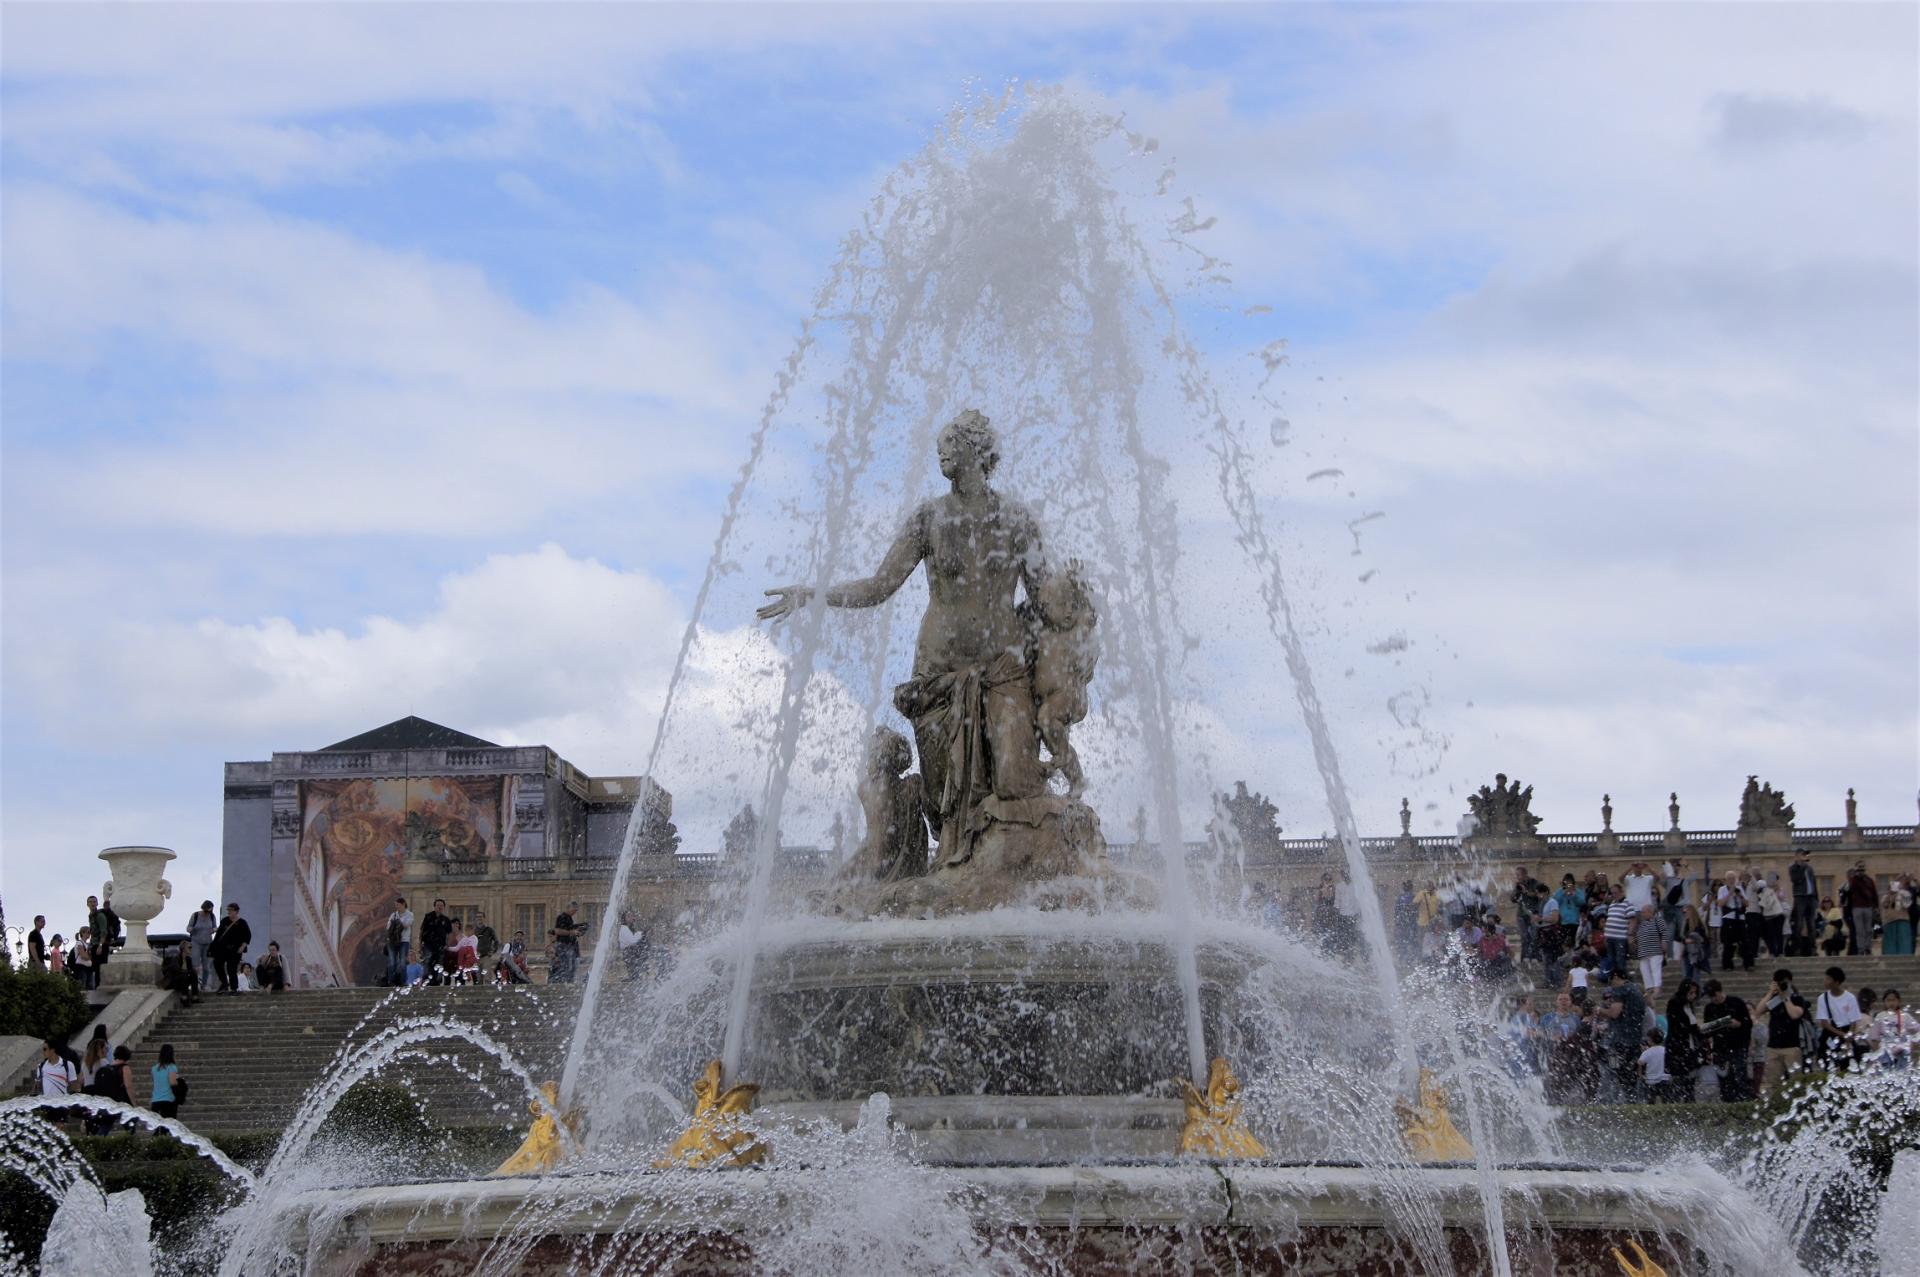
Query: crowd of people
point(450, 952)
point(81, 957)
point(1635, 1012)
point(106, 1071)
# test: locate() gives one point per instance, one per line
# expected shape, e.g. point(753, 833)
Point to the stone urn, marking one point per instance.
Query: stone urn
point(138, 893)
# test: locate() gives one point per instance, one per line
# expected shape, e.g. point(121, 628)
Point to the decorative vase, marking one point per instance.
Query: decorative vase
point(138, 893)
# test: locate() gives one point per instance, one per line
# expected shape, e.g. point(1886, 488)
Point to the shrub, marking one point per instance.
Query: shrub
point(39, 1004)
point(381, 1112)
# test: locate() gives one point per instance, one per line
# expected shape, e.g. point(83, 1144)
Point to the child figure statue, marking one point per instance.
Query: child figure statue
point(895, 845)
point(1062, 652)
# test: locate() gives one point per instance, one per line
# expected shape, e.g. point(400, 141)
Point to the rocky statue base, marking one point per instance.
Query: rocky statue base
point(1044, 852)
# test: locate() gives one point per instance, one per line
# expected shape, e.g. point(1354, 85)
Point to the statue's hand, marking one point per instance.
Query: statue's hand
point(787, 599)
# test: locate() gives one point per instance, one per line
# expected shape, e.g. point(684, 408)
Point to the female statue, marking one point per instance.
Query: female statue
point(971, 697)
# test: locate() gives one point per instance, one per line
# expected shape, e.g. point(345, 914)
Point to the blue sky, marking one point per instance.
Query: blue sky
point(324, 328)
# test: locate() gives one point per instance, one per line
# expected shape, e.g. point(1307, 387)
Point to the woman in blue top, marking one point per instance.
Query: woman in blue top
point(165, 1074)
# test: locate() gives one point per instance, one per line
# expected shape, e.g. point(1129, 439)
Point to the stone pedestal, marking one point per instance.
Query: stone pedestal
point(138, 892)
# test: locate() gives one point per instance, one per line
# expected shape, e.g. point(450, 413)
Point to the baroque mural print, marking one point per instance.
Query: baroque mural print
point(355, 837)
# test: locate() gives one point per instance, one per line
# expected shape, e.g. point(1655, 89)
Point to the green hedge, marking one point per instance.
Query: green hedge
point(39, 1004)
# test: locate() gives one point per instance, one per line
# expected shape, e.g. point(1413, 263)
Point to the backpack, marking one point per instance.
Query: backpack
point(179, 1090)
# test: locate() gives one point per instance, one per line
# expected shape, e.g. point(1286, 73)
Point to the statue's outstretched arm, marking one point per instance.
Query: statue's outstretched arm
point(903, 556)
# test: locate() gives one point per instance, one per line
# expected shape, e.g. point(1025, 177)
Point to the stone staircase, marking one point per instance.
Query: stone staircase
point(251, 1058)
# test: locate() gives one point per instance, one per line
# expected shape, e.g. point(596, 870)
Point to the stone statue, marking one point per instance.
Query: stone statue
point(894, 802)
point(1501, 811)
point(1253, 819)
point(1763, 807)
point(992, 682)
point(1061, 656)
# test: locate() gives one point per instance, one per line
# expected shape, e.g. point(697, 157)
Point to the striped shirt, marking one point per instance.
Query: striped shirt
point(1620, 916)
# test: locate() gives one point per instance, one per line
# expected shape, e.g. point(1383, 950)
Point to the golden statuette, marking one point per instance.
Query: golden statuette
point(1214, 1127)
point(1429, 1132)
point(544, 1148)
point(715, 1137)
point(1645, 1268)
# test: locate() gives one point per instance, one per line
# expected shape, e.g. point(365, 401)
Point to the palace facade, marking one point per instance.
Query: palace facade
point(317, 844)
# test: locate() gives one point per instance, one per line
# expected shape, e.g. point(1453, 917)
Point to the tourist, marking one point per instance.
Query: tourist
point(1549, 939)
point(399, 940)
point(1625, 1010)
point(434, 929)
point(1805, 920)
point(1619, 930)
point(57, 954)
point(1837, 1012)
point(1578, 973)
point(1834, 928)
point(244, 981)
point(1786, 1012)
point(1654, 1079)
point(463, 948)
point(1686, 1045)
point(37, 944)
point(200, 929)
point(59, 1075)
point(168, 1085)
point(1571, 1057)
point(112, 1080)
point(1894, 1032)
point(1323, 912)
point(1346, 903)
point(103, 926)
point(512, 967)
point(1897, 915)
point(487, 938)
point(1522, 1039)
point(633, 945)
point(1696, 949)
point(1773, 917)
point(1426, 906)
point(81, 966)
point(1753, 922)
point(566, 946)
point(1637, 885)
point(1729, 1032)
point(1673, 886)
point(271, 974)
point(1863, 908)
point(1496, 962)
point(229, 944)
point(98, 1054)
point(177, 974)
point(1650, 937)
point(1731, 901)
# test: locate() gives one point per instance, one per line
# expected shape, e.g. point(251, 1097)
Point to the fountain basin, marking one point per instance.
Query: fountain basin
point(930, 1010)
point(1092, 1219)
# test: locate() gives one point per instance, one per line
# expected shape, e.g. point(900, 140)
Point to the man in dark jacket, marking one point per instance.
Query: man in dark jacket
point(37, 944)
point(434, 929)
point(230, 942)
point(104, 924)
point(1863, 908)
point(1806, 905)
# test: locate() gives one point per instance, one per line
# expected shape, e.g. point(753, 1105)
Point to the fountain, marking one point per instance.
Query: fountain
point(990, 1044)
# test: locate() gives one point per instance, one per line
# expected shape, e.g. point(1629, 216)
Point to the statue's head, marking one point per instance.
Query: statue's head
point(889, 752)
point(968, 440)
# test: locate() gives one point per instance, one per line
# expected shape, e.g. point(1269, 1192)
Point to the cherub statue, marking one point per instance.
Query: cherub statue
point(1062, 652)
point(895, 804)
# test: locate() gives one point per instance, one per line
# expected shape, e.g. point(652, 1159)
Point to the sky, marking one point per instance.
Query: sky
point(371, 360)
